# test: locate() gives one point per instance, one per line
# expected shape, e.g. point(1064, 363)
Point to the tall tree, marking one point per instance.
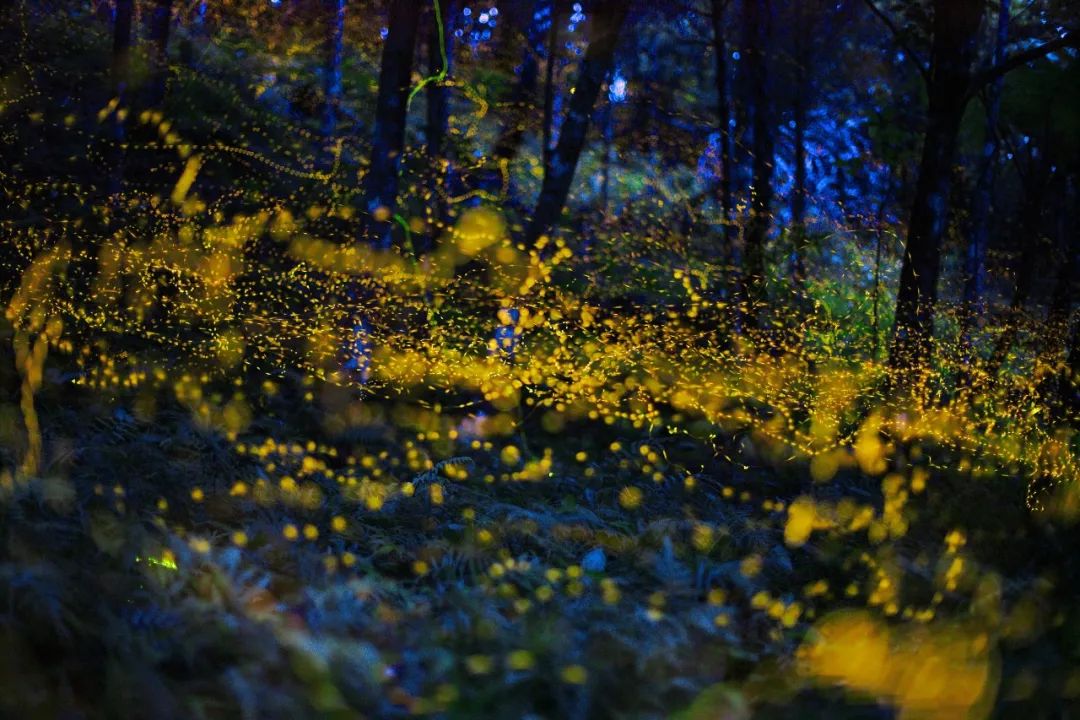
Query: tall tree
point(723, 116)
point(954, 47)
point(557, 7)
point(804, 20)
point(1068, 389)
point(1068, 248)
point(197, 33)
point(534, 24)
point(335, 36)
point(811, 51)
point(950, 81)
point(121, 77)
point(440, 54)
point(121, 49)
point(798, 191)
point(160, 23)
point(979, 228)
point(1031, 241)
point(757, 23)
point(391, 109)
point(607, 21)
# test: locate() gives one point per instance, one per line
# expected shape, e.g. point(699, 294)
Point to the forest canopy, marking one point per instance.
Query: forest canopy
point(539, 359)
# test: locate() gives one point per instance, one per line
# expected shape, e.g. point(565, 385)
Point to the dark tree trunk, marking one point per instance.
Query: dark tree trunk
point(198, 34)
point(121, 51)
point(160, 23)
point(840, 187)
point(102, 10)
point(756, 26)
point(662, 107)
point(335, 35)
point(1061, 301)
point(644, 122)
point(798, 192)
point(607, 21)
point(605, 165)
point(979, 231)
point(955, 39)
point(723, 116)
point(391, 109)
point(438, 109)
point(549, 83)
point(523, 103)
point(1021, 292)
point(121, 70)
point(1069, 377)
point(879, 239)
point(1068, 382)
point(1031, 240)
point(799, 111)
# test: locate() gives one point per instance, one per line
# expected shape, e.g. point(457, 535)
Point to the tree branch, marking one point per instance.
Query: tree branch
point(899, 37)
point(1070, 39)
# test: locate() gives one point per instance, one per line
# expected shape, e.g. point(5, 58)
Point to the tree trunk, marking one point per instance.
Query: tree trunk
point(121, 51)
point(955, 39)
point(798, 192)
point(438, 110)
point(549, 83)
point(1021, 291)
point(1068, 379)
point(1068, 382)
point(607, 21)
point(523, 103)
point(605, 165)
point(723, 115)
point(388, 141)
point(879, 238)
point(160, 22)
point(756, 26)
point(335, 34)
point(102, 10)
point(1061, 301)
point(121, 70)
point(799, 113)
point(1031, 227)
point(197, 34)
point(979, 232)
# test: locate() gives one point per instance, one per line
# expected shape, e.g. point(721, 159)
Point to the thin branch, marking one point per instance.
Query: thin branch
point(1069, 39)
point(900, 40)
